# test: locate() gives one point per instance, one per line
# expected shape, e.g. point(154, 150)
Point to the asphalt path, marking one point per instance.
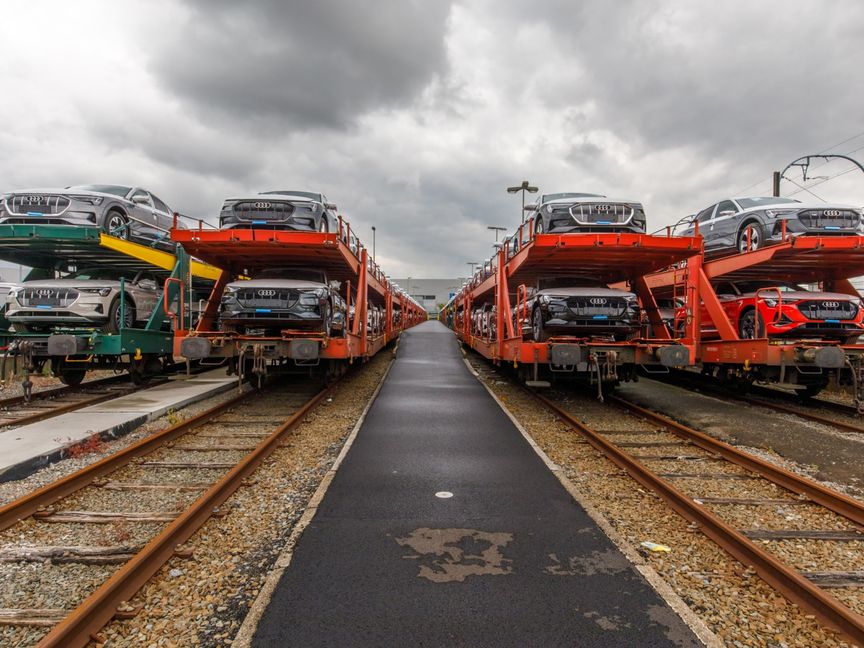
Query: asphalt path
point(443, 527)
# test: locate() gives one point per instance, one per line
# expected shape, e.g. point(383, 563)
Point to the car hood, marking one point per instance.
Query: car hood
point(299, 284)
point(269, 197)
point(601, 200)
point(795, 207)
point(586, 291)
point(803, 294)
point(73, 283)
point(65, 191)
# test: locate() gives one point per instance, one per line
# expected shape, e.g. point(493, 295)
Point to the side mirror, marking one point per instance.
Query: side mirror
point(140, 200)
point(330, 206)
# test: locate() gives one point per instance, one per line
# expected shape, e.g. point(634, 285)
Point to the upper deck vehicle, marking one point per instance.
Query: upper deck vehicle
point(739, 224)
point(131, 213)
point(584, 212)
point(782, 309)
point(283, 298)
point(285, 210)
point(89, 297)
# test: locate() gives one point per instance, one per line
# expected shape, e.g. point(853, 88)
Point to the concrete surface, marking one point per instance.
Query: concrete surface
point(838, 458)
point(443, 527)
point(29, 447)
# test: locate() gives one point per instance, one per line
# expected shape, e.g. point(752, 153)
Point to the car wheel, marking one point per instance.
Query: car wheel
point(327, 316)
point(750, 325)
point(114, 323)
point(849, 341)
point(538, 225)
point(537, 328)
point(21, 328)
point(324, 226)
point(116, 224)
point(757, 236)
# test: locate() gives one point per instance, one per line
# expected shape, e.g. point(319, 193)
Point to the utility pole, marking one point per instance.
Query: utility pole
point(473, 265)
point(525, 186)
point(496, 229)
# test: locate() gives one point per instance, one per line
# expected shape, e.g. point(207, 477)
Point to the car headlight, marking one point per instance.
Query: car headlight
point(228, 204)
point(90, 200)
point(775, 213)
point(102, 292)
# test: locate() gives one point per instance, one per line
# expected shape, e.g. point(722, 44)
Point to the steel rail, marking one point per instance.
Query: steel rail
point(54, 392)
point(23, 507)
point(778, 575)
point(816, 418)
point(841, 504)
point(78, 628)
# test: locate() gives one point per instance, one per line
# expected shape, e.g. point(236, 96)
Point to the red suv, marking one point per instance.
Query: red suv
point(771, 309)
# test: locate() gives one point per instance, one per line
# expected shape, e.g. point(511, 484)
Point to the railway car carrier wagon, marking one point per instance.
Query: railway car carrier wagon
point(595, 333)
point(292, 301)
point(790, 337)
point(69, 343)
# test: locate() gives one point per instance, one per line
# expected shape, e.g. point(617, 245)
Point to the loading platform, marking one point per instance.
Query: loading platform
point(606, 257)
point(470, 550)
point(241, 252)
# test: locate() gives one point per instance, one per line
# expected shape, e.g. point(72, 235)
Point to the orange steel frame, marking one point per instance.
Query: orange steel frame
point(613, 257)
point(340, 253)
point(828, 260)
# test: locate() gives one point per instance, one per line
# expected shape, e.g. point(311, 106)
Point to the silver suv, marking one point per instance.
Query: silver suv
point(84, 298)
point(126, 212)
point(585, 212)
point(284, 210)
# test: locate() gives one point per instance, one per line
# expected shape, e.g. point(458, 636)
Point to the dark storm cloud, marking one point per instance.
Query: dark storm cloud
point(302, 64)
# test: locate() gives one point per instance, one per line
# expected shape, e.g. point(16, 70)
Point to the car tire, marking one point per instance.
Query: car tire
point(113, 323)
point(324, 226)
point(849, 341)
point(21, 328)
point(538, 332)
point(538, 225)
point(751, 325)
point(757, 238)
point(116, 224)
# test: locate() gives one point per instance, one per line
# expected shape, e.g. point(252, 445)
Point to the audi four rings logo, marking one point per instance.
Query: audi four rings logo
point(44, 292)
point(831, 212)
point(267, 293)
point(830, 304)
point(262, 205)
point(597, 301)
point(604, 208)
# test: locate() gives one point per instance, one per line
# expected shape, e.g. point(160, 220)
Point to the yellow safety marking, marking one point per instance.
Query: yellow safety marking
point(158, 258)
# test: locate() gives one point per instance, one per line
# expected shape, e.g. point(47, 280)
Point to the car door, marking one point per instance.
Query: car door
point(143, 214)
point(726, 223)
point(164, 218)
point(705, 218)
point(146, 294)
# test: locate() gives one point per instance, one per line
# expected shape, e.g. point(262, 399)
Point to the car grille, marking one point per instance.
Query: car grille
point(819, 309)
point(272, 298)
point(829, 218)
point(263, 210)
point(22, 204)
point(602, 212)
point(53, 297)
point(597, 306)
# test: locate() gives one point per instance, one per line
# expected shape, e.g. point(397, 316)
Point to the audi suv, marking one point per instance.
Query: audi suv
point(126, 212)
point(89, 298)
point(739, 224)
point(282, 298)
point(285, 210)
point(579, 307)
point(773, 309)
point(585, 212)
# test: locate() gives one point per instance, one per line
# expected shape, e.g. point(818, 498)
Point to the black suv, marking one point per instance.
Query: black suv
point(584, 212)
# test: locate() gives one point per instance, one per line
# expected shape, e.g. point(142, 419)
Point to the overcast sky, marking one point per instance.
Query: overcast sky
point(414, 116)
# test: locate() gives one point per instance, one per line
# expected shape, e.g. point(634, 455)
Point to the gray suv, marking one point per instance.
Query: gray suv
point(585, 212)
point(84, 298)
point(284, 210)
point(724, 226)
point(126, 212)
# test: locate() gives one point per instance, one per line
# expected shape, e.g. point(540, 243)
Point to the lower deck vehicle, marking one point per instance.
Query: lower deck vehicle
point(93, 297)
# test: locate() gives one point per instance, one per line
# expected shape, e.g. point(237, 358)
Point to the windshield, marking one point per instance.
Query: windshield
point(301, 274)
point(560, 196)
point(304, 194)
point(568, 282)
point(109, 274)
point(753, 286)
point(747, 203)
point(117, 190)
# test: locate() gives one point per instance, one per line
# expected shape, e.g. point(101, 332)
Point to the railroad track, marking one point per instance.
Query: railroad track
point(779, 401)
point(127, 514)
point(687, 468)
point(17, 410)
